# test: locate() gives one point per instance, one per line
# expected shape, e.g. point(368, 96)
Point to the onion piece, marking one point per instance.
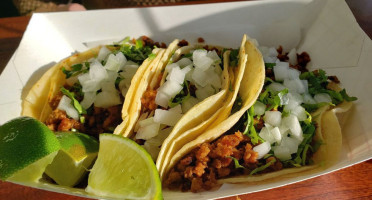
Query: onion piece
point(166, 117)
point(65, 105)
point(107, 99)
point(170, 88)
point(275, 132)
point(184, 62)
point(97, 72)
point(176, 109)
point(259, 108)
point(282, 153)
point(176, 75)
point(294, 126)
point(204, 92)
point(103, 53)
point(214, 56)
point(162, 99)
point(115, 62)
point(88, 100)
point(276, 87)
point(266, 135)
point(262, 149)
point(292, 55)
point(189, 103)
point(322, 97)
point(273, 118)
point(281, 71)
point(147, 132)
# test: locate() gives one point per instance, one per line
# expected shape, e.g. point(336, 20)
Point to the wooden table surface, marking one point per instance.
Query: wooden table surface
point(350, 183)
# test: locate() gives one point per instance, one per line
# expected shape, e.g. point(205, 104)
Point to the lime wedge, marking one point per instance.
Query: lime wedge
point(74, 159)
point(27, 146)
point(123, 170)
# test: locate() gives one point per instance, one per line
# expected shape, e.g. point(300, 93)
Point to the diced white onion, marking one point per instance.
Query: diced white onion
point(272, 52)
point(176, 75)
point(106, 99)
point(276, 87)
point(280, 72)
point(146, 122)
point(300, 112)
point(170, 88)
point(97, 72)
point(162, 99)
point(103, 53)
point(293, 74)
point(294, 126)
point(262, 149)
point(266, 135)
point(292, 55)
point(214, 56)
point(147, 132)
point(275, 132)
point(259, 108)
point(88, 100)
point(189, 103)
point(308, 99)
point(184, 62)
point(215, 80)
point(176, 109)
point(282, 153)
point(91, 86)
point(322, 97)
point(291, 144)
point(200, 77)
point(166, 117)
point(199, 54)
point(65, 104)
point(115, 62)
point(203, 63)
point(273, 118)
point(204, 92)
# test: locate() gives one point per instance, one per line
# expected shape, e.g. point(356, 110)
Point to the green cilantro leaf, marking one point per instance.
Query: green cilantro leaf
point(75, 102)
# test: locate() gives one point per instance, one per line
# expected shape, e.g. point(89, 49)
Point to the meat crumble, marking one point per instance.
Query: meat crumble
point(200, 169)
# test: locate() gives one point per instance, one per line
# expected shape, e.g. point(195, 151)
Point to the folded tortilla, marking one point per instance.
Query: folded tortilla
point(248, 85)
point(36, 103)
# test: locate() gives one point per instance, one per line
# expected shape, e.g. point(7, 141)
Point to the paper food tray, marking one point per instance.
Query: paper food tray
point(327, 30)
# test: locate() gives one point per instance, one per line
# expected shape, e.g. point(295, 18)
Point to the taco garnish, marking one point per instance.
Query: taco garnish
point(276, 136)
point(85, 92)
point(184, 77)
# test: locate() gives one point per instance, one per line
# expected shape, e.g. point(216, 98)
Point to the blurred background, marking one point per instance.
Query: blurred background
point(13, 8)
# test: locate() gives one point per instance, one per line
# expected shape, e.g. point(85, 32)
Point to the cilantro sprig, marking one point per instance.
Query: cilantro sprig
point(75, 102)
point(182, 96)
point(136, 53)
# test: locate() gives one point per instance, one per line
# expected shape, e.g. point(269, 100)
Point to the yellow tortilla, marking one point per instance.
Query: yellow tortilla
point(36, 103)
point(328, 131)
point(249, 82)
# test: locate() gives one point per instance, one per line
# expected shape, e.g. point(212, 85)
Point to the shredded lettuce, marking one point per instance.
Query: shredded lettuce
point(250, 130)
point(236, 162)
point(263, 167)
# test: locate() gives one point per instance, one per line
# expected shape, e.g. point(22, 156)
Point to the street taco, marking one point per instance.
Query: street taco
point(85, 92)
point(185, 87)
point(274, 139)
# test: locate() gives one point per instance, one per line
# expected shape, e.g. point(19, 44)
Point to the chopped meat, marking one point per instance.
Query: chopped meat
point(113, 117)
point(302, 60)
point(59, 121)
point(250, 156)
point(334, 79)
point(183, 43)
point(55, 101)
point(196, 185)
point(222, 172)
point(201, 40)
point(148, 100)
point(199, 168)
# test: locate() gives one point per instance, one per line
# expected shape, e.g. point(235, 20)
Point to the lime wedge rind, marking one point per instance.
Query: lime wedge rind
point(123, 170)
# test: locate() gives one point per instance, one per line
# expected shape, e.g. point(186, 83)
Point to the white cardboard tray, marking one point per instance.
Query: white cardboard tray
point(327, 30)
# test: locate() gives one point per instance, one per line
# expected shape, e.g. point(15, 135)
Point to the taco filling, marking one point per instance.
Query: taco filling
point(185, 81)
point(274, 134)
point(92, 97)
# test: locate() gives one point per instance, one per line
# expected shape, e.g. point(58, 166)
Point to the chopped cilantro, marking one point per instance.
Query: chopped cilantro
point(269, 65)
point(250, 130)
point(234, 57)
point(313, 107)
point(136, 53)
point(237, 104)
point(75, 102)
point(182, 96)
point(152, 56)
point(75, 70)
